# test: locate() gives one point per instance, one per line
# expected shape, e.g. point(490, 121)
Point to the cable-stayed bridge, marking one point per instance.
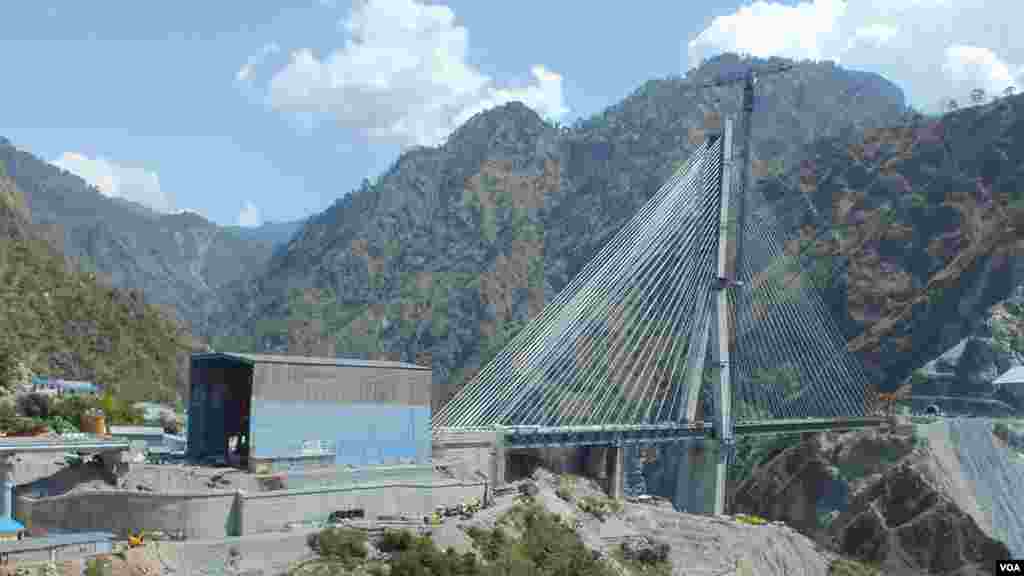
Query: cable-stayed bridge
point(693, 304)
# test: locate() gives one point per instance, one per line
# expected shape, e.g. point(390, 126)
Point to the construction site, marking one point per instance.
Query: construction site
point(258, 461)
point(268, 450)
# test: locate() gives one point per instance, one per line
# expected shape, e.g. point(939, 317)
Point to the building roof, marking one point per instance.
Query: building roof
point(56, 540)
point(304, 360)
point(1014, 375)
point(83, 442)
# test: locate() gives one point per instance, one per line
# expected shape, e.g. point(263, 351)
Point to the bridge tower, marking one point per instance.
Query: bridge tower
point(702, 472)
point(697, 490)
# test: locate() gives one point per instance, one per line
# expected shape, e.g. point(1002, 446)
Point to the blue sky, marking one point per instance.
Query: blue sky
point(155, 101)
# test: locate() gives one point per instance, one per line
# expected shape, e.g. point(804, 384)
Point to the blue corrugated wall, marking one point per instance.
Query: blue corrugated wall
point(362, 434)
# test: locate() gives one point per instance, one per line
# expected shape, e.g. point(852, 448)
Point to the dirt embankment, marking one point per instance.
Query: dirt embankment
point(700, 545)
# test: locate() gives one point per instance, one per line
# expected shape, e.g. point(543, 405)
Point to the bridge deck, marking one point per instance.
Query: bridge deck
point(568, 436)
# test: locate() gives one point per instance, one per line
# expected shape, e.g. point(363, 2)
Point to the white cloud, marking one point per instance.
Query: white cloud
point(245, 72)
point(249, 217)
point(934, 49)
point(403, 75)
point(191, 211)
point(977, 67)
point(112, 179)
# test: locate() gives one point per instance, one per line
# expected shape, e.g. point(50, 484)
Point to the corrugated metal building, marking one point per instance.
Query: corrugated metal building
point(269, 412)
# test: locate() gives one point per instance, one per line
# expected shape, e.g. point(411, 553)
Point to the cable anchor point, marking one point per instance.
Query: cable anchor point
point(723, 283)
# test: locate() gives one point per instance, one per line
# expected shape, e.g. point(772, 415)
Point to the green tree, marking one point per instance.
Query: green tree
point(8, 366)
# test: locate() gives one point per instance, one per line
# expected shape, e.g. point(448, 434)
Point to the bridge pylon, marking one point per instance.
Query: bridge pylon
point(702, 474)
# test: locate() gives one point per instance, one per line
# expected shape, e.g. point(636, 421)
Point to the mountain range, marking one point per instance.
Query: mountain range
point(180, 260)
point(910, 231)
point(454, 248)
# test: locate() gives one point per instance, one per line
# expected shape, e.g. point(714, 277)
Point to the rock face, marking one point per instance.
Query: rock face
point(455, 248)
point(809, 483)
point(870, 494)
point(915, 231)
point(902, 521)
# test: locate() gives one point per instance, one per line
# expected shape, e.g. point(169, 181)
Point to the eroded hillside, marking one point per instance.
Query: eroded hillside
point(916, 230)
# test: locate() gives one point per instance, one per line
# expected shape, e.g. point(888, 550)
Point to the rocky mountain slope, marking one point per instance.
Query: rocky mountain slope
point(916, 231)
point(454, 248)
point(61, 322)
point(180, 260)
point(913, 499)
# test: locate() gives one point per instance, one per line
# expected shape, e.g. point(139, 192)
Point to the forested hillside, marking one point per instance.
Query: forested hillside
point(61, 322)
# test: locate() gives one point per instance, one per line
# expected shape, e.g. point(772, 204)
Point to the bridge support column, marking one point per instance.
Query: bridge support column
point(594, 462)
point(721, 455)
point(499, 459)
point(616, 471)
point(700, 478)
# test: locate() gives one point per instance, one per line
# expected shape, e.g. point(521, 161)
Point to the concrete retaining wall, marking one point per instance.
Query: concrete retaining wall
point(472, 450)
point(271, 511)
point(193, 515)
point(216, 515)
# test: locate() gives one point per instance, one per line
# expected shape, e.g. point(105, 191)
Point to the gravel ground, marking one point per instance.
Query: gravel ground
point(984, 478)
point(701, 546)
point(266, 554)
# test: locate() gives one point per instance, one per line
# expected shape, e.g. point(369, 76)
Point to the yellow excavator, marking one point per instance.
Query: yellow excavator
point(136, 540)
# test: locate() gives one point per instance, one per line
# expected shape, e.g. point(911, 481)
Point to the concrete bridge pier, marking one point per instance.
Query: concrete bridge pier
point(615, 463)
point(700, 478)
point(607, 464)
point(604, 464)
point(499, 461)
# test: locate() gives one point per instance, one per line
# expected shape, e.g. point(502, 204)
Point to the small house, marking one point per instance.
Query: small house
point(266, 412)
point(60, 387)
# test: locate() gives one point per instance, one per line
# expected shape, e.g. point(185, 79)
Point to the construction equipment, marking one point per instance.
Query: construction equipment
point(347, 514)
point(136, 540)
